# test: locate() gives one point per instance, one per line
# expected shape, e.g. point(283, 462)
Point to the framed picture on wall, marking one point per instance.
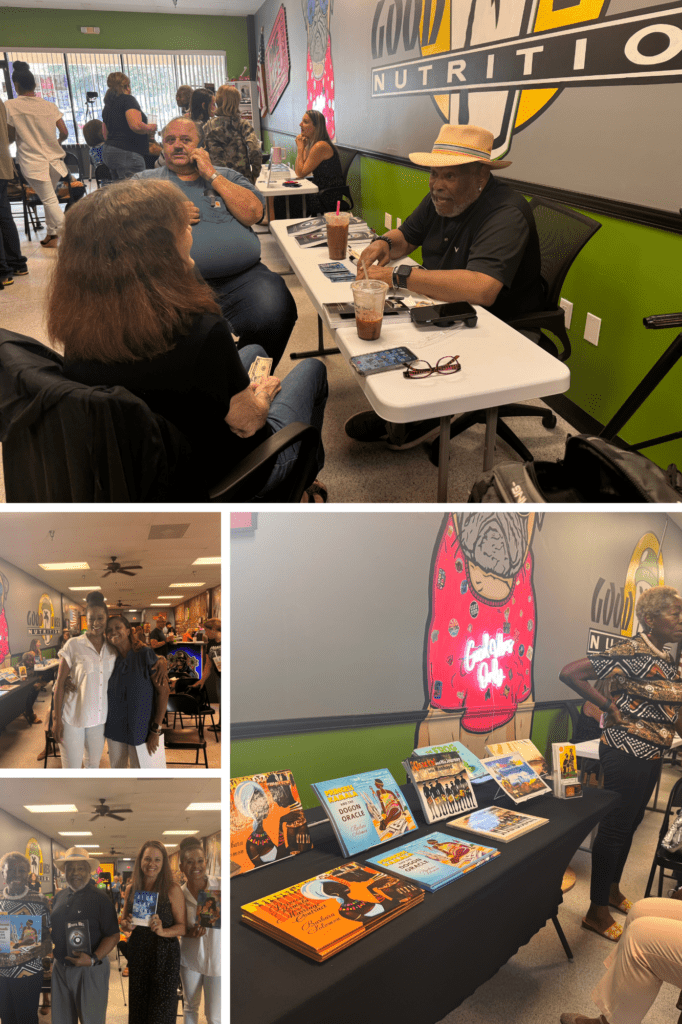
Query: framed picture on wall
point(277, 63)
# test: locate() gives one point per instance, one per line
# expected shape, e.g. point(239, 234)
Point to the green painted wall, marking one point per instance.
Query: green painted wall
point(25, 27)
point(313, 757)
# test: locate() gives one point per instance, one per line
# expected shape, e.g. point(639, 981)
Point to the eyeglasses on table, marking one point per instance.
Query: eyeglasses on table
point(419, 368)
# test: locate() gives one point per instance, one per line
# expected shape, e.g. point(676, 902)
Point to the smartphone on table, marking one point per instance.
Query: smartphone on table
point(379, 362)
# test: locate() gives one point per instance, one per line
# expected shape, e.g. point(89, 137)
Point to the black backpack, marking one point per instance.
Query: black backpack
point(592, 470)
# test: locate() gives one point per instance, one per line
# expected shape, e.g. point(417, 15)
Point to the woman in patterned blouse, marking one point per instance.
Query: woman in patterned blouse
point(642, 716)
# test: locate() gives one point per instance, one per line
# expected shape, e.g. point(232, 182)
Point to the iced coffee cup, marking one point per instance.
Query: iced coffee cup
point(368, 298)
point(337, 235)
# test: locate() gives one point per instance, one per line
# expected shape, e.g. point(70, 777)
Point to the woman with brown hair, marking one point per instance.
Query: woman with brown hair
point(231, 141)
point(317, 156)
point(154, 951)
point(163, 337)
point(202, 109)
point(126, 131)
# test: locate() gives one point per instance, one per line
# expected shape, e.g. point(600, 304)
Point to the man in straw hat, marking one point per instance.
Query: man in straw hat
point(80, 981)
point(479, 244)
point(21, 967)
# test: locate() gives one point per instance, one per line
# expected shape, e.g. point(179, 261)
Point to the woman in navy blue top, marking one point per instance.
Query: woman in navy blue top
point(136, 704)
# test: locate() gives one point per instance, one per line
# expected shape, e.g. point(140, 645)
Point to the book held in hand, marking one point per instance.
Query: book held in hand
point(144, 908)
point(78, 937)
point(327, 913)
point(442, 784)
point(365, 810)
point(515, 777)
point(20, 932)
point(497, 823)
point(434, 860)
point(208, 908)
point(526, 749)
point(267, 822)
point(475, 769)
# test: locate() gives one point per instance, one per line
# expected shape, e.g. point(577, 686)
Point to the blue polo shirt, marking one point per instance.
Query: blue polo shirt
point(131, 698)
point(222, 246)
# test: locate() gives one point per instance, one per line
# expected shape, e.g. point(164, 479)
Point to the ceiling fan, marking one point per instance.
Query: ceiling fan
point(115, 567)
point(120, 605)
point(114, 853)
point(104, 811)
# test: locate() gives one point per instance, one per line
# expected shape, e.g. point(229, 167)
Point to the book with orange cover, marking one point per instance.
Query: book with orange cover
point(331, 911)
point(267, 822)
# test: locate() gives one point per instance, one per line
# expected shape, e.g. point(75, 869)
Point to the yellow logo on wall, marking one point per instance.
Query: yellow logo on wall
point(42, 624)
point(35, 856)
point(644, 571)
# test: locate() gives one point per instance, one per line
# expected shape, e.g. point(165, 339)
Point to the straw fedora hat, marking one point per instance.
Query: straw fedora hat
point(76, 853)
point(460, 144)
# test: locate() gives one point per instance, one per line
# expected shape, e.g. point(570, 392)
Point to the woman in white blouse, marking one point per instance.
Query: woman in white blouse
point(80, 707)
point(199, 947)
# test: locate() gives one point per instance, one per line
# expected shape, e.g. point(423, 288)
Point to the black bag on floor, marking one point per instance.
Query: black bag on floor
point(592, 470)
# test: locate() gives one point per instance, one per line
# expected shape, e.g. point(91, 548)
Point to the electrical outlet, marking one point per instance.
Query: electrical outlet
point(568, 311)
point(388, 221)
point(592, 328)
point(398, 222)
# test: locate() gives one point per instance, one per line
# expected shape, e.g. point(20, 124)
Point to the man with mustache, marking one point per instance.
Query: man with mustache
point(482, 587)
point(255, 302)
point(80, 984)
point(479, 244)
point(21, 969)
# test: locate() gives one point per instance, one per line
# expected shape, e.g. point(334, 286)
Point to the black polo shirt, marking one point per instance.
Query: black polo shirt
point(89, 904)
point(157, 634)
point(493, 236)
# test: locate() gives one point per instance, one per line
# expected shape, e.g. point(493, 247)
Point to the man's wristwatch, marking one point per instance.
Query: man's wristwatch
point(401, 274)
point(153, 727)
point(213, 177)
point(94, 962)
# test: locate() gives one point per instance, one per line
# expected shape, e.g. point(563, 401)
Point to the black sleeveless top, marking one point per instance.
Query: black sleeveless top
point(328, 174)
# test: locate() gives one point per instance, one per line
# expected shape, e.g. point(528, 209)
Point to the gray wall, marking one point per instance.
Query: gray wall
point(329, 612)
point(21, 609)
point(605, 137)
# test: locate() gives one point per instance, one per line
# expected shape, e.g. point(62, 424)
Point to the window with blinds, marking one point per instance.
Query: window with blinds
point(65, 79)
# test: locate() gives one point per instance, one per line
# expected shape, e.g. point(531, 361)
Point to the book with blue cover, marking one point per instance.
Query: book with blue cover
point(475, 769)
point(144, 907)
point(435, 860)
point(20, 931)
point(365, 810)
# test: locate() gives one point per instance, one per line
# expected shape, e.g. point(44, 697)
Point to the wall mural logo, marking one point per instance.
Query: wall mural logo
point(35, 856)
point(500, 63)
point(42, 622)
point(481, 634)
point(613, 607)
point(319, 66)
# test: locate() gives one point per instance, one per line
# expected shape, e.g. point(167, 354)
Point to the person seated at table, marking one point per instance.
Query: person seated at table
point(649, 953)
point(94, 137)
point(163, 337)
point(255, 302)
point(479, 244)
point(66, 635)
point(29, 660)
point(34, 647)
point(643, 714)
point(231, 141)
point(316, 156)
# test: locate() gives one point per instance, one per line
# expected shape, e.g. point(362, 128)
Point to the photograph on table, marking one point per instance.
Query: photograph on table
point(113, 929)
point(110, 639)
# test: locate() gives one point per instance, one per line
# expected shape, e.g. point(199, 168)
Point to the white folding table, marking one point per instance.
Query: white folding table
point(499, 365)
point(278, 188)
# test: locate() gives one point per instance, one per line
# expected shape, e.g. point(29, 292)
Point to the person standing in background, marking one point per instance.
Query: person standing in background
point(12, 263)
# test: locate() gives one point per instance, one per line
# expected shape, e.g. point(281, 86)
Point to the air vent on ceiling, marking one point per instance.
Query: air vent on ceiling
point(171, 531)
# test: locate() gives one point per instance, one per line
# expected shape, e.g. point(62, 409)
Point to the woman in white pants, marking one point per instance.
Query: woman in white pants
point(137, 700)
point(199, 947)
point(80, 707)
point(649, 952)
point(32, 122)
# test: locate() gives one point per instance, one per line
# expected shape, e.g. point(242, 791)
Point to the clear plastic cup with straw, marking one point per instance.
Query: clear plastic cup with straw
point(337, 233)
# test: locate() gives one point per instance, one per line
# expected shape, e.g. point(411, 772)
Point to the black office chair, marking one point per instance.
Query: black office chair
point(102, 175)
point(119, 438)
point(341, 192)
point(562, 233)
point(664, 859)
point(19, 193)
point(72, 165)
point(186, 739)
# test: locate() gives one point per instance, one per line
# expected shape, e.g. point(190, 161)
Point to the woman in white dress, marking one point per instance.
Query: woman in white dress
point(80, 706)
point(199, 947)
point(32, 122)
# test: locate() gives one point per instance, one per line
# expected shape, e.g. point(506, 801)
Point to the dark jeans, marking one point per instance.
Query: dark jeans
point(301, 399)
point(259, 308)
point(19, 998)
point(634, 780)
point(31, 698)
point(10, 246)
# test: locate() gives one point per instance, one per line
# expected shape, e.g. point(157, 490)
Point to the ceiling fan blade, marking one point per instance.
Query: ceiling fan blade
point(121, 810)
point(132, 566)
point(95, 817)
point(106, 574)
point(116, 817)
point(124, 572)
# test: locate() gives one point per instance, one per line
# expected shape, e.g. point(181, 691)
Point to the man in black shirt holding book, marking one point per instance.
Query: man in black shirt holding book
point(479, 245)
point(80, 981)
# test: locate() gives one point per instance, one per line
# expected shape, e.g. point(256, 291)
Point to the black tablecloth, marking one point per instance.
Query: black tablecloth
point(13, 703)
point(424, 964)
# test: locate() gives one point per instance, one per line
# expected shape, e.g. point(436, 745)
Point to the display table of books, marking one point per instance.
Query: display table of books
point(494, 883)
point(13, 693)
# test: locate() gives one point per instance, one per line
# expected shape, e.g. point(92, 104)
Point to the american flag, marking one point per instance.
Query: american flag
point(262, 91)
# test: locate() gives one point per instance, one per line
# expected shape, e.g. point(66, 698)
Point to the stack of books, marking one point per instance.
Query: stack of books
point(328, 913)
point(312, 232)
point(475, 769)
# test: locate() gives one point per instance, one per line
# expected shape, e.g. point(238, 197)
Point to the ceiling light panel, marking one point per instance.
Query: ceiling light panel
point(51, 808)
point(57, 566)
point(215, 560)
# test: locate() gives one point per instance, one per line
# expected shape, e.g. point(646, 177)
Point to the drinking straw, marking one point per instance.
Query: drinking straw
point(338, 207)
point(364, 269)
